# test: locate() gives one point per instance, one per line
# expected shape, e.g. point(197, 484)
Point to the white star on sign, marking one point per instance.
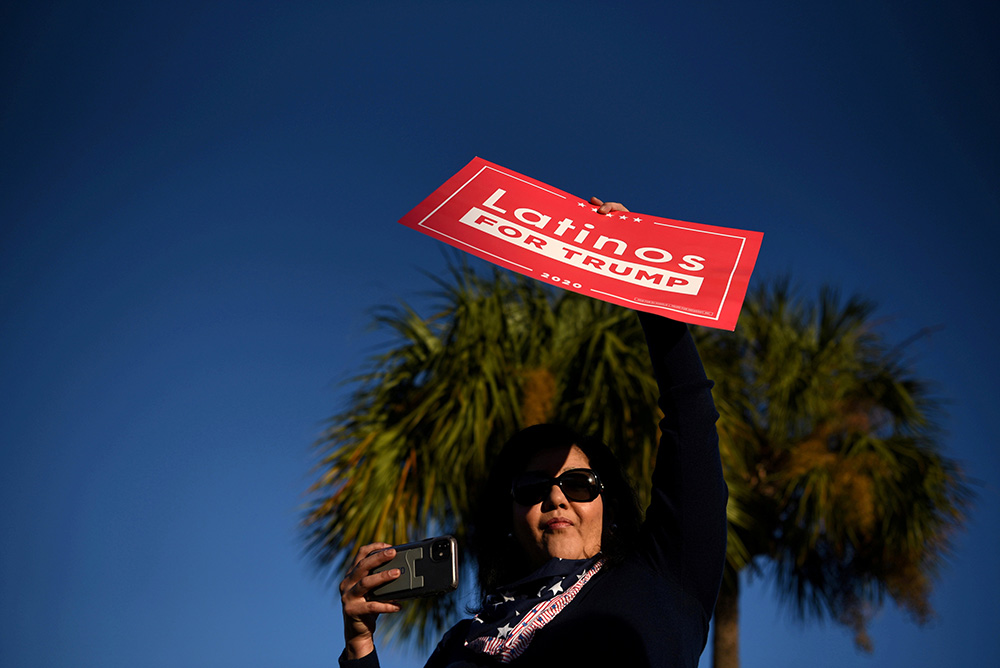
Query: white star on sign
point(594, 210)
point(638, 220)
point(623, 217)
point(580, 204)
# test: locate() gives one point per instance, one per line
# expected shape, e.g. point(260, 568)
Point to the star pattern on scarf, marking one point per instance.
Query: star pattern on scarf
point(504, 597)
point(510, 616)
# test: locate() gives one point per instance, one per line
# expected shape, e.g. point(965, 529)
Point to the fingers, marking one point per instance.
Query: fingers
point(370, 549)
point(605, 208)
point(360, 613)
point(373, 608)
point(360, 580)
point(361, 609)
point(374, 581)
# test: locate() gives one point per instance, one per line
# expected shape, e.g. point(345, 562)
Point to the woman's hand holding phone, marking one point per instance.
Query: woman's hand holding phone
point(360, 613)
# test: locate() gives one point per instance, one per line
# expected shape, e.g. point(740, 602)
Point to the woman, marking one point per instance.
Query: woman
point(570, 575)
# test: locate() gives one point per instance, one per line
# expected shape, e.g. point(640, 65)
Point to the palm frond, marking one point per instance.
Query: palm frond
point(829, 441)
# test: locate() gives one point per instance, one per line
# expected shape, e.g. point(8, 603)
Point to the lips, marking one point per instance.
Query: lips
point(558, 523)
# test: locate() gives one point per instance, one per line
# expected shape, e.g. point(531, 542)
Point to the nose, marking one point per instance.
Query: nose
point(555, 498)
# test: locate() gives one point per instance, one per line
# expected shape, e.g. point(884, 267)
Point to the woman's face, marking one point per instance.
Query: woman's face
point(556, 526)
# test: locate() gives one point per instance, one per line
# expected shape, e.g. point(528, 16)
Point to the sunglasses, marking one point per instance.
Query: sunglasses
point(580, 485)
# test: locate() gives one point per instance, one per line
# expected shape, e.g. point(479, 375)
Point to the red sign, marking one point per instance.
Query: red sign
point(685, 271)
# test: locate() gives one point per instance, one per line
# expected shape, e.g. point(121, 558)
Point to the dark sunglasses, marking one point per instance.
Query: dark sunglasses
point(580, 485)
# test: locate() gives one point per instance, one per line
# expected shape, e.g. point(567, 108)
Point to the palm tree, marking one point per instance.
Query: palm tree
point(830, 451)
point(815, 410)
point(492, 360)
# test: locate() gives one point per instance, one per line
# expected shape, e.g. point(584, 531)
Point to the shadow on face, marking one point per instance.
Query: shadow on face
point(556, 526)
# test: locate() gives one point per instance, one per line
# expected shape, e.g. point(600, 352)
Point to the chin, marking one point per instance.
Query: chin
point(567, 552)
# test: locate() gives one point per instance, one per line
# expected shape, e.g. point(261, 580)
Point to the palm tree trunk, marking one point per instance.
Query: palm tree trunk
point(539, 396)
point(726, 640)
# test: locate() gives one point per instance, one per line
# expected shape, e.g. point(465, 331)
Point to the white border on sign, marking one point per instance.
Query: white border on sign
point(732, 274)
point(460, 188)
point(718, 309)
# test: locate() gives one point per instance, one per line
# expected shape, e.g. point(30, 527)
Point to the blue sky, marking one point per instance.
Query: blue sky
point(198, 211)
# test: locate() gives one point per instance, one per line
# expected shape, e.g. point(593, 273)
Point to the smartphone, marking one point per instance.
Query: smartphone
point(427, 567)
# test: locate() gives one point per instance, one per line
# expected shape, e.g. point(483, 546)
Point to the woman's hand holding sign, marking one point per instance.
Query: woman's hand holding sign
point(604, 208)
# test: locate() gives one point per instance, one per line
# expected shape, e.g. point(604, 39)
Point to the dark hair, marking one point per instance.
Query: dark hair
point(500, 558)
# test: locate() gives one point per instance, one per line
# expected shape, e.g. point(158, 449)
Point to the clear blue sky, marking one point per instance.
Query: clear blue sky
point(198, 210)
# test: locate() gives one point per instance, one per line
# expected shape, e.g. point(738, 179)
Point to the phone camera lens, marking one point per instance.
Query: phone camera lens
point(439, 550)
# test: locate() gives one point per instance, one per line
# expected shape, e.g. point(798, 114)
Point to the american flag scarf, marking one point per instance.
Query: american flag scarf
point(508, 620)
